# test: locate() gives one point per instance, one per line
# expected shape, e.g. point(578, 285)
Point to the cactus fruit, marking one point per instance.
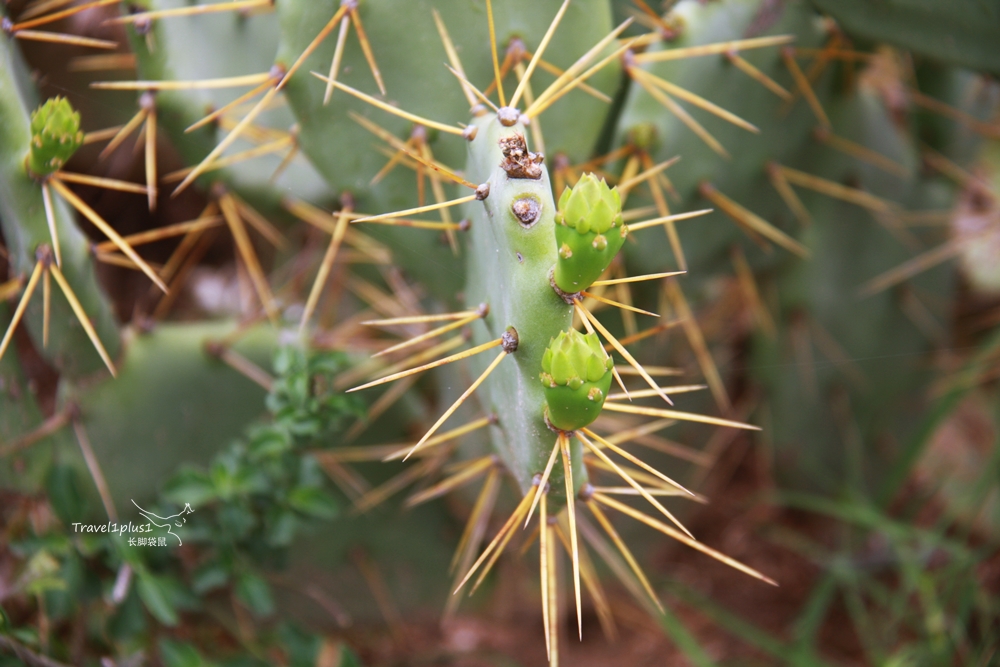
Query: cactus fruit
point(576, 375)
point(589, 232)
point(55, 136)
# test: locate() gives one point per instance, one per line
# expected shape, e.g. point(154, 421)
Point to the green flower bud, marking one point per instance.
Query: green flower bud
point(55, 136)
point(589, 232)
point(576, 375)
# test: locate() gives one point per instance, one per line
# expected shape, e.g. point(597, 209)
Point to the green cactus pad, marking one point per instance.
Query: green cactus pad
point(55, 136)
point(589, 232)
point(576, 377)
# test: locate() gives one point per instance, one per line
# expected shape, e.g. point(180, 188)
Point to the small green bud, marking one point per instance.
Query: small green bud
point(576, 376)
point(589, 232)
point(55, 136)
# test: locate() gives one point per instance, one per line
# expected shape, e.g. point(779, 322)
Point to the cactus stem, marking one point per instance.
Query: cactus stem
point(243, 6)
point(749, 286)
point(469, 471)
point(429, 207)
point(56, 16)
point(763, 79)
point(496, 547)
point(586, 316)
point(752, 222)
point(620, 544)
point(616, 304)
point(61, 38)
point(631, 480)
point(641, 77)
point(105, 228)
point(717, 48)
point(461, 399)
point(451, 129)
point(804, 87)
point(571, 511)
point(670, 532)
point(433, 333)
point(636, 279)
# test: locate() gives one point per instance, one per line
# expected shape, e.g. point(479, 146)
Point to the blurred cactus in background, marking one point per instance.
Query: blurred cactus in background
point(599, 249)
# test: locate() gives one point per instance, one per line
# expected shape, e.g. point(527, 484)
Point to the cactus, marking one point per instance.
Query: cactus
point(786, 139)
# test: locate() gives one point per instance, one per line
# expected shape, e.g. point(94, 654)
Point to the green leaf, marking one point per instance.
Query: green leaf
point(209, 577)
point(348, 658)
point(255, 594)
point(313, 501)
point(179, 654)
point(156, 597)
point(190, 485)
point(65, 494)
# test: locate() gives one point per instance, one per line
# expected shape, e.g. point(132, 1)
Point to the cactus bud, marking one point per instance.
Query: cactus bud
point(576, 376)
point(589, 232)
point(55, 136)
